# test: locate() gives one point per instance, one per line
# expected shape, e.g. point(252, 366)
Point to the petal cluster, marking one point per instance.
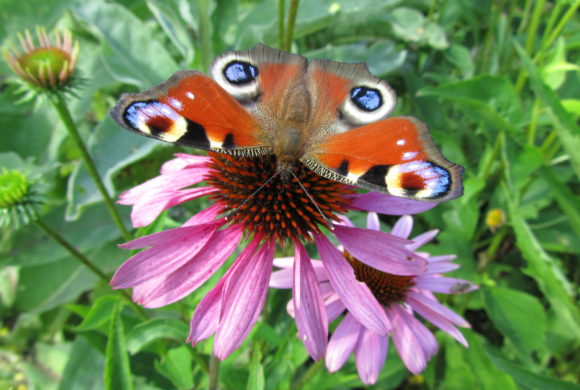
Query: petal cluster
point(360, 331)
point(176, 262)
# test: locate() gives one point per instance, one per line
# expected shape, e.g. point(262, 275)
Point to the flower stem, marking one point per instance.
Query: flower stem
point(64, 114)
point(214, 369)
point(85, 261)
point(291, 22)
point(281, 6)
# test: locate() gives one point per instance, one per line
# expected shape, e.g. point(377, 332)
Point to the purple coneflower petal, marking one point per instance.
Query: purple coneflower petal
point(334, 307)
point(445, 285)
point(197, 271)
point(373, 221)
point(391, 205)
point(424, 305)
point(205, 216)
point(164, 183)
point(370, 355)
point(438, 320)
point(355, 295)
point(309, 307)
point(146, 209)
point(441, 268)
point(184, 161)
point(284, 262)
point(379, 250)
point(206, 318)
point(422, 239)
point(243, 298)
point(442, 258)
point(405, 340)
point(403, 227)
point(283, 278)
point(342, 342)
point(162, 259)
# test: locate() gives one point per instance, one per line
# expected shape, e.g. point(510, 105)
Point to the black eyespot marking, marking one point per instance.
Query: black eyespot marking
point(376, 175)
point(239, 72)
point(365, 98)
point(229, 142)
point(195, 136)
point(343, 168)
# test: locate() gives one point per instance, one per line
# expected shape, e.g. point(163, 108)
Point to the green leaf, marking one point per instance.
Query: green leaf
point(84, 369)
point(117, 369)
point(568, 202)
point(410, 25)
point(176, 366)
point(543, 269)
point(256, 381)
point(100, 313)
point(111, 148)
point(527, 378)
point(130, 51)
point(568, 131)
point(491, 98)
point(155, 329)
point(519, 316)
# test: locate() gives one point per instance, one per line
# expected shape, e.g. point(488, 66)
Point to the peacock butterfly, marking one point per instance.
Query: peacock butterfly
point(330, 116)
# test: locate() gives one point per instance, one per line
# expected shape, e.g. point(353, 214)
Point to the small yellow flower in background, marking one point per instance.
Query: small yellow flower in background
point(45, 65)
point(495, 219)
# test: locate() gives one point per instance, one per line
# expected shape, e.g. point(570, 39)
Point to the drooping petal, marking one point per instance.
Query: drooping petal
point(403, 227)
point(404, 339)
point(282, 278)
point(373, 221)
point(205, 216)
point(429, 307)
point(370, 354)
point(445, 285)
point(284, 262)
point(197, 271)
point(342, 342)
point(391, 205)
point(146, 209)
point(173, 180)
point(162, 259)
point(309, 307)
point(439, 321)
point(334, 307)
point(206, 318)
point(437, 259)
point(183, 161)
point(243, 299)
point(381, 251)
point(441, 268)
point(355, 295)
point(422, 239)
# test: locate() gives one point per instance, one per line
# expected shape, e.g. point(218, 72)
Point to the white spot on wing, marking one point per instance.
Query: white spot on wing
point(190, 95)
point(401, 142)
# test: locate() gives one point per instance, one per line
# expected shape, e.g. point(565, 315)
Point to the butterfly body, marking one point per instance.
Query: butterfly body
point(331, 117)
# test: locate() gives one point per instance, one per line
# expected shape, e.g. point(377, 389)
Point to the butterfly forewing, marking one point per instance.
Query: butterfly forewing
point(394, 155)
point(193, 110)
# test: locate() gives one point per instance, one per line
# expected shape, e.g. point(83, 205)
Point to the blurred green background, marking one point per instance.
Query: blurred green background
point(498, 82)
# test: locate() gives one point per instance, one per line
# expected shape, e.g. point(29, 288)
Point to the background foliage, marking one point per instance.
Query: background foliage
point(497, 81)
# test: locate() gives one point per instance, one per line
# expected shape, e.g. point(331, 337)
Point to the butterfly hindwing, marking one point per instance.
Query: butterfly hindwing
point(394, 155)
point(193, 110)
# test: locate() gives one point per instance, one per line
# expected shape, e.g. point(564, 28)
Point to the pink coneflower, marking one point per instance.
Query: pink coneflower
point(400, 297)
point(248, 204)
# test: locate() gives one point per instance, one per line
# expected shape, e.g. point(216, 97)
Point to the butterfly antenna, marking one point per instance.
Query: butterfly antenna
point(234, 211)
point(326, 219)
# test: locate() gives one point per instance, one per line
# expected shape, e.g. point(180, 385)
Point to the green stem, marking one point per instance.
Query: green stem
point(85, 261)
point(531, 38)
point(64, 114)
point(308, 375)
point(531, 136)
point(281, 6)
point(291, 22)
point(214, 369)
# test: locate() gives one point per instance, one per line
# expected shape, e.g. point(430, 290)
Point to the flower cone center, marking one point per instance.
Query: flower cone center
point(387, 288)
point(266, 202)
point(42, 60)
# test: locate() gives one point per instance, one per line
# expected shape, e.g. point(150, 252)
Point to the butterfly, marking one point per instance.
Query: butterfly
point(330, 116)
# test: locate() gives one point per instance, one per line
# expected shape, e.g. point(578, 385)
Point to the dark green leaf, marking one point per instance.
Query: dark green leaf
point(100, 313)
point(176, 366)
point(158, 328)
point(117, 369)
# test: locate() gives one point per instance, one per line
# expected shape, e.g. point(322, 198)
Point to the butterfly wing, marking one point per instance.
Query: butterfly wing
point(192, 109)
point(395, 156)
